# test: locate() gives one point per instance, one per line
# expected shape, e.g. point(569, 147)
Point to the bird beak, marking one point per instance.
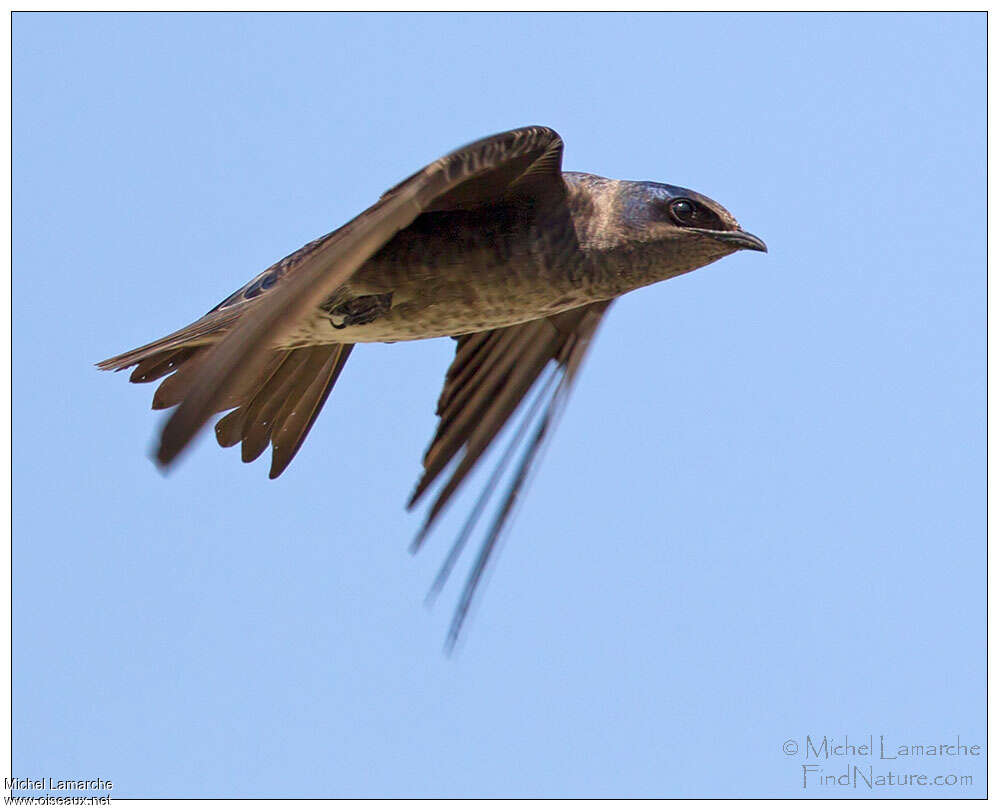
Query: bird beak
point(742, 240)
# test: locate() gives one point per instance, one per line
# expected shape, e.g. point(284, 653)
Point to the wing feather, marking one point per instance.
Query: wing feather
point(219, 361)
point(267, 402)
point(237, 357)
point(295, 425)
point(475, 407)
point(232, 357)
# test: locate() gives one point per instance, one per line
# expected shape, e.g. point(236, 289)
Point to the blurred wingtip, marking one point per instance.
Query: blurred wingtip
point(161, 466)
point(416, 544)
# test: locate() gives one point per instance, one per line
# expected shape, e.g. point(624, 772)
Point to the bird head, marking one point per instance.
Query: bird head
point(689, 229)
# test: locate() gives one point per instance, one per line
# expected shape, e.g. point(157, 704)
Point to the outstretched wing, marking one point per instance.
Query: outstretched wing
point(228, 358)
point(491, 374)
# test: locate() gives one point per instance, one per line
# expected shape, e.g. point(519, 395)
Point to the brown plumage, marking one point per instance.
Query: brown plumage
point(491, 244)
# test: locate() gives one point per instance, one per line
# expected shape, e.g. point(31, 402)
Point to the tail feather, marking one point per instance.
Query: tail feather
point(229, 429)
point(205, 331)
point(268, 401)
point(171, 391)
point(160, 364)
point(277, 407)
point(302, 408)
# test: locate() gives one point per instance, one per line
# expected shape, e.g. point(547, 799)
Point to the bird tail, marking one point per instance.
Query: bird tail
point(203, 332)
point(278, 406)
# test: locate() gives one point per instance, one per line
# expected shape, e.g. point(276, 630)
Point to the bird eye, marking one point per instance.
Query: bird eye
point(682, 211)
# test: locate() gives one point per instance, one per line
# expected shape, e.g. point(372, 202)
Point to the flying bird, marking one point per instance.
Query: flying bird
point(493, 245)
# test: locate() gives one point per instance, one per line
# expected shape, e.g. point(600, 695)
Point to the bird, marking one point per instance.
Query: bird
point(492, 245)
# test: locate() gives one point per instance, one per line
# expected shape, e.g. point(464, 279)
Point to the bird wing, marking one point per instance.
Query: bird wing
point(229, 357)
point(491, 374)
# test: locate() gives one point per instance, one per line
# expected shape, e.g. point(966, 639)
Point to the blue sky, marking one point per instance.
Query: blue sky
point(762, 517)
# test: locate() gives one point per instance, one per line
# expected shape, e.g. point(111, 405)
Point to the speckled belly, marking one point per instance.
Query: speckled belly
point(432, 310)
point(453, 290)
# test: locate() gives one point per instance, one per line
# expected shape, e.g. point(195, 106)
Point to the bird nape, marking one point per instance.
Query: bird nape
point(493, 245)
